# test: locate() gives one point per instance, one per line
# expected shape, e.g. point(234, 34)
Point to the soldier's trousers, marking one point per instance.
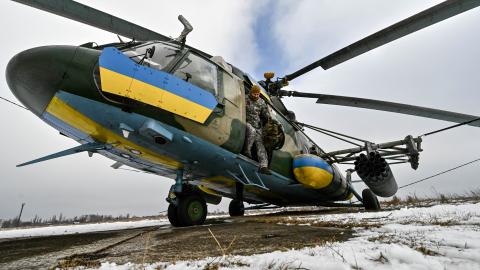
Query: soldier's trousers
point(254, 136)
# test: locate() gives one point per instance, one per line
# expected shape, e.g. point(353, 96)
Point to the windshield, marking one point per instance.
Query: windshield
point(154, 55)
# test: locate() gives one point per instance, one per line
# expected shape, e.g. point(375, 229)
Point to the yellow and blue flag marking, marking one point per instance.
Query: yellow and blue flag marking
point(312, 171)
point(121, 76)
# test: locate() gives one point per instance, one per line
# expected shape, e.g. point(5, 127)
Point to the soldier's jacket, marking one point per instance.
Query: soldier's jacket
point(256, 112)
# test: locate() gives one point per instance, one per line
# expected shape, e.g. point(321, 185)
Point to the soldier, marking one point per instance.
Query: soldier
point(257, 111)
point(273, 137)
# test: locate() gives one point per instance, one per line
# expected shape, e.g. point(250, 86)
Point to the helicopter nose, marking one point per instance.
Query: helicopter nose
point(35, 75)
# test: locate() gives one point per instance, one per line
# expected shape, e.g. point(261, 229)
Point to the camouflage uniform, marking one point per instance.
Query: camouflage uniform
point(273, 137)
point(257, 111)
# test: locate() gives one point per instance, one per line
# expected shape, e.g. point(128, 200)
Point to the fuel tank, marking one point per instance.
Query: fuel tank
point(315, 173)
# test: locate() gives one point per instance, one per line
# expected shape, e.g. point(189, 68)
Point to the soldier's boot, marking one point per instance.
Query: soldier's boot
point(265, 170)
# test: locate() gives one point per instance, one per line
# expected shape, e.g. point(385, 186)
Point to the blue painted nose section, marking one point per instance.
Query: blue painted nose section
point(35, 75)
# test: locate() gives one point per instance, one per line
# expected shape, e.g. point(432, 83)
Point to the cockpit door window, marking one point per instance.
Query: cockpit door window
point(181, 63)
point(161, 55)
point(199, 72)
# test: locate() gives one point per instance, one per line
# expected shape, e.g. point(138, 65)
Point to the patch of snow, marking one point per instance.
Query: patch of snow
point(80, 228)
point(438, 237)
point(455, 214)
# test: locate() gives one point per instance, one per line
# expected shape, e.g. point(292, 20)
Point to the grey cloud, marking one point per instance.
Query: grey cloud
point(435, 67)
point(78, 185)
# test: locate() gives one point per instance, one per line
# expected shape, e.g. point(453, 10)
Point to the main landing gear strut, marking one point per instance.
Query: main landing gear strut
point(236, 207)
point(186, 206)
point(370, 201)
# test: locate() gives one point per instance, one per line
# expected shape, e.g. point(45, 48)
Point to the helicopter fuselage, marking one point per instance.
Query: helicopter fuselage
point(172, 111)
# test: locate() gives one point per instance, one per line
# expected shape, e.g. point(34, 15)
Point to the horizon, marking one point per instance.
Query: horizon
point(435, 67)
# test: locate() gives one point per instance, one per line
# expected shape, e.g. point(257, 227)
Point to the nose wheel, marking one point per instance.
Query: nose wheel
point(190, 210)
point(186, 206)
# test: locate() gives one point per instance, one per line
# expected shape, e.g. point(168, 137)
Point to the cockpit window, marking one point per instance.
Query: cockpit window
point(199, 72)
point(154, 55)
point(192, 68)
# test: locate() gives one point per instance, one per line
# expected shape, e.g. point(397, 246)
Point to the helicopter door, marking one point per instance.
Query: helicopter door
point(225, 127)
point(231, 89)
point(234, 110)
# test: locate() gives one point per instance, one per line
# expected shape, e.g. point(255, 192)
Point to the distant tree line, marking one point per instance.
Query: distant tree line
point(61, 220)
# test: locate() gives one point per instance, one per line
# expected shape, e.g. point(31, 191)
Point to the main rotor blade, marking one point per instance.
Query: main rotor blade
point(414, 23)
point(85, 14)
point(388, 106)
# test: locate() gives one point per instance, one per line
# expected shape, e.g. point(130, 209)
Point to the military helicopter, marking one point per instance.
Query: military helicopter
point(163, 107)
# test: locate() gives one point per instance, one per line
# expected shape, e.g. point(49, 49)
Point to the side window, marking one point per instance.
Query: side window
point(161, 55)
point(199, 72)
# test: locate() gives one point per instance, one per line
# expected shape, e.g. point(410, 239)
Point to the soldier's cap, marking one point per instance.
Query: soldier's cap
point(255, 89)
point(268, 75)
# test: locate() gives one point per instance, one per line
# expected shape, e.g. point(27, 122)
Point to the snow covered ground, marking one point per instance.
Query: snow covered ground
point(438, 237)
point(445, 236)
point(80, 228)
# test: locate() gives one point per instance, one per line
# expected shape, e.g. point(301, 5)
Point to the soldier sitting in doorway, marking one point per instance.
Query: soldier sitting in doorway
point(257, 114)
point(273, 137)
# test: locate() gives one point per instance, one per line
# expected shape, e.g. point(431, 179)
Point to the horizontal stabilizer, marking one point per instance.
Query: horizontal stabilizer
point(90, 147)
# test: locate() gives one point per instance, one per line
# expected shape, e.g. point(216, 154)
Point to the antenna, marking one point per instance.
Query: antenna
point(187, 28)
point(120, 39)
point(20, 215)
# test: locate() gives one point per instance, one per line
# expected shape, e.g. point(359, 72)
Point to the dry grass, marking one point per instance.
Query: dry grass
point(274, 265)
point(145, 251)
point(437, 198)
point(227, 261)
point(381, 259)
point(78, 261)
point(426, 251)
point(224, 250)
point(317, 223)
point(415, 242)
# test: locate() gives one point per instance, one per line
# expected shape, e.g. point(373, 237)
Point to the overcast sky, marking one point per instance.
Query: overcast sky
point(436, 67)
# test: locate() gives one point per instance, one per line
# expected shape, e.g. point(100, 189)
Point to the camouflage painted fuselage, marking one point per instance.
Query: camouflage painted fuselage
point(75, 102)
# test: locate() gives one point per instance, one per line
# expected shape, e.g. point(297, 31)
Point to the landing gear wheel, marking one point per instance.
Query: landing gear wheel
point(236, 208)
point(172, 215)
point(191, 210)
point(370, 201)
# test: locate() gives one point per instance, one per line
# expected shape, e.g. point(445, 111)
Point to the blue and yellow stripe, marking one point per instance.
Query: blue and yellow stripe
point(64, 112)
point(312, 171)
point(121, 76)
